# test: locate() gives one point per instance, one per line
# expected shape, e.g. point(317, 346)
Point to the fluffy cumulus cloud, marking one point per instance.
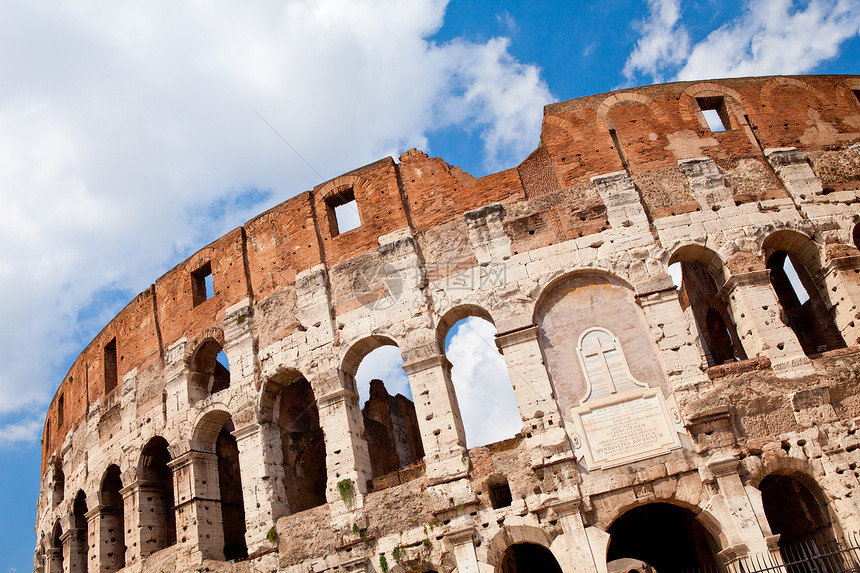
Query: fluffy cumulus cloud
point(664, 42)
point(21, 433)
point(768, 37)
point(775, 37)
point(130, 136)
point(482, 383)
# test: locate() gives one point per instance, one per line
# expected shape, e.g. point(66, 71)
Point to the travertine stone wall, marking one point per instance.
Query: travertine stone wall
point(579, 237)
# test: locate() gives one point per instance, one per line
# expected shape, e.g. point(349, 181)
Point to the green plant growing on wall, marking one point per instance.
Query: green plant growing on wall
point(383, 563)
point(426, 543)
point(241, 320)
point(346, 489)
point(397, 553)
point(272, 536)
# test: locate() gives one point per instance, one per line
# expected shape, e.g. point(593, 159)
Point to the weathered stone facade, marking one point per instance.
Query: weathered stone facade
point(719, 418)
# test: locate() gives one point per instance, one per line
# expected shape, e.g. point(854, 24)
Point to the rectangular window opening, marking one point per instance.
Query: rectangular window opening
point(110, 366)
point(716, 113)
point(500, 495)
point(342, 212)
point(201, 284)
point(60, 408)
point(857, 95)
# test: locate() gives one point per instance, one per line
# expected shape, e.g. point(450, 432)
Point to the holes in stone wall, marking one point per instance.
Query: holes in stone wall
point(202, 287)
point(61, 410)
point(716, 113)
point(112, 520)
point(343, 212)
point(110, 369)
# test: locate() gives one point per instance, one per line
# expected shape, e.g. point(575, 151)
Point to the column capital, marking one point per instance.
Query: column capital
point(751, 278)
point(246, 431)
point(516, 336)
point(339, 396)
point(461, 536)
point(427, 363)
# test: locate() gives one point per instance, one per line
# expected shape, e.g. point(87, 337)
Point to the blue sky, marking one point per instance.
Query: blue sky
point(131, 133)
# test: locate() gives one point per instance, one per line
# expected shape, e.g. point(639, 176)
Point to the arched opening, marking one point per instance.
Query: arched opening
point(804, 310)
point(210, 371)
point(289, 403)
point(54, 555)
point(485, 395)
point(157, 515)
point(526, 558)
point(112, 521)
point(795, 511)
point(59, 485)
point(696, 272)
point(232, 501)
point(666, 537)
point(390, 422)
point(855, 235)
point(79, 540)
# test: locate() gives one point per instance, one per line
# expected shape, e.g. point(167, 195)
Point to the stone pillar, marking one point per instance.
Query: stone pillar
point(257, 487)
point(74, 551)
point(487, 234)
point(197, 496)
point(742, 511)
point(131, 514)
point(796, 173)
point(580, 558)
point(843, 289)
point(707, 183)
point(347, 457)
point(756, 311)
point(106, 528)
point(54, 560)
point(439, 419)
point(542, 423)
point(619, 194)
point(679, 347)
point(463, 542)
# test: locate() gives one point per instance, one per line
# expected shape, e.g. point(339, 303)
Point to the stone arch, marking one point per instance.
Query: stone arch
point(510, 535)
point(615, 100)
point(580, 301)
point(783, 81)
point(214, 434)
point(796, 507)
point(54, 553)
point(689, 107)
point(339, 184)
point(111, 520)
point(206, 375)
point(703, 274)
point(845, 92)
point(855, 235)
point(390, 423)
point(478, 398)
point(288, 403)
point(59, 483)
point(643, 531)
point(79, 535)
point(811, 320)
point(157, 513)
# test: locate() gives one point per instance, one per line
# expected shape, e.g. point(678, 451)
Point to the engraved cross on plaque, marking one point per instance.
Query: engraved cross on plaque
point(600, 351)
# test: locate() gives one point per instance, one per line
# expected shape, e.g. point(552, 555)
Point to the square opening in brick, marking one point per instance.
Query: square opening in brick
point(716, 113)
point(856, 95)
point(201, 284)
point(500, 494)
point(342, 212)
point(60, 410)
point(110, 365)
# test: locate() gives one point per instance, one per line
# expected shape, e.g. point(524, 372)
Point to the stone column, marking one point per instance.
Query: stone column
point(197, 496)
point(347, 457)
point(679, 347)
point(542, 424)
point(74, 551)
point(756, 311)
point(842, 285)
point(131, 514)
point(106, 528)
point(439, 419)
point(463, 542)
point(580, 558)
point(742, 511)
point(257, 487)
point(54, 560)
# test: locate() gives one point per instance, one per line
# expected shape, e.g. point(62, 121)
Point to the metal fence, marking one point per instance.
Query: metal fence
point(812, 556)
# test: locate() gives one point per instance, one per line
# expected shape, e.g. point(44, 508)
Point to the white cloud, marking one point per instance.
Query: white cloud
point(482, 383)
point(775, 37)
point(664, 42)
point(386, 364)
point(27, 432)
point(129, 137)
point(769, 37)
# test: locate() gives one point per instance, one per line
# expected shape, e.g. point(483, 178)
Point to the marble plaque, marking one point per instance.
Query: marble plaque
point(624, 428)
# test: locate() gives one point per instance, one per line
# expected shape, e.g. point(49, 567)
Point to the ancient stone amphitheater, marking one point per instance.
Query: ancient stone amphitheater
point(708, 426)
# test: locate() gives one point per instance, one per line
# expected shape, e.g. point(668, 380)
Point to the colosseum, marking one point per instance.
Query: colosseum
point(215, 423)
